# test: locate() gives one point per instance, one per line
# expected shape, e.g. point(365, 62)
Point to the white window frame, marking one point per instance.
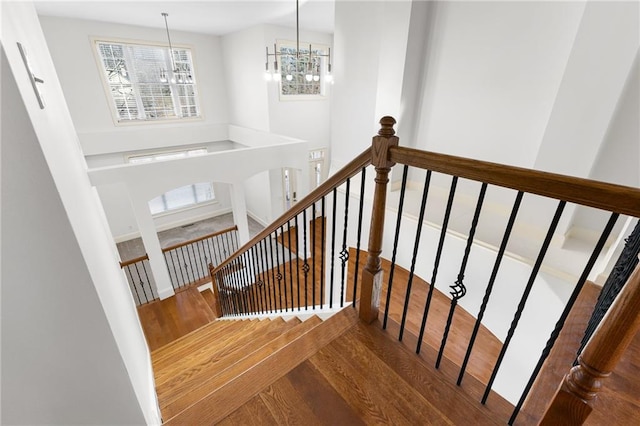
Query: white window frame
point(323, 48)
point(174, 93)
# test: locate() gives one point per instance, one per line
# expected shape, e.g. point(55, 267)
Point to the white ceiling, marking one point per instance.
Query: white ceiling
point(217, 17)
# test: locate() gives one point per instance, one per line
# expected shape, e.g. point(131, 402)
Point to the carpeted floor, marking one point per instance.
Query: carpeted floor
point(134, 248)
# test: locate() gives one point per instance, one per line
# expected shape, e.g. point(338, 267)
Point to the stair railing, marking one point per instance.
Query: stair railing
point(140, 279)
point(574, 400)
point(556, 189)
point(299, 262)
point(188, 261)
point(260, 277)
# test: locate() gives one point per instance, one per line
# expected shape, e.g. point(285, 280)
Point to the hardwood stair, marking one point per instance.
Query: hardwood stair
point(365, 376)
point(207, 374)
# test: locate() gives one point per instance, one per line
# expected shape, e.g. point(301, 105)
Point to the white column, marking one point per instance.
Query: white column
point(149, 236)
point(239, 206)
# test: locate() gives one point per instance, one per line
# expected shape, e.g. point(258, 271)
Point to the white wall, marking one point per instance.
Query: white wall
point(243, 54)
point(73, 54)
point(73, 349)
point(492, 74)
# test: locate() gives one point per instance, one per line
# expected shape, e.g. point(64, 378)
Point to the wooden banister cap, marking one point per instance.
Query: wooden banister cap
point(386, 128)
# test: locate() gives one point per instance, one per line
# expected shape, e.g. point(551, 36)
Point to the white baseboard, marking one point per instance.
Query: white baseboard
point(257, 218)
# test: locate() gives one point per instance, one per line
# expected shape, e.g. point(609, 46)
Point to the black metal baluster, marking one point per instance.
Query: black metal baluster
point(344, 253)
point(443, 234)
point(264, 274)
point(305, 267)
point(227, 247)
point(182, 271)
point(360, 210)
point(297, 261)
point(314, 259)
point(146, 274)
point(144, 291)
point(187, 264)
point(284, 269)
point(492, 279)
point(333, 245)
point(525, 296)
point(458, 289)
point(251, 282)
point(211, 257)
point(169, 266)
point(195, 261)
point(416, 245)
point(133, 284)
point(565, 313)
point(219, 252)
point(323, 230)
point(403, 187)
point(614, 284)
point(290, 263)
point(278, 275)
point(259, 278)
point(244, 281)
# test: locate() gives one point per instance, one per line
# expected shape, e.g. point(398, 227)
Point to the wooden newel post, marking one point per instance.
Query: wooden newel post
point(216, 292)
point(574, 400)
point(372, 273)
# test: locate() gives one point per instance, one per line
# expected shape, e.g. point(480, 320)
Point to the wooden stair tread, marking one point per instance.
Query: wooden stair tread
point(203, 370)
point(261, 368)
point(212, 327)
point(371, 387)
point(243, 363)
point(425, 379)
point(202, 337)
point(218, 345)
point(496, 404)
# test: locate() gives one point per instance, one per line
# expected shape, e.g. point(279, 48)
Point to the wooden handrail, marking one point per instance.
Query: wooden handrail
point(349, 170)
point(614, 198)
point(195, 240)
point(574, 400)
point(134, 260)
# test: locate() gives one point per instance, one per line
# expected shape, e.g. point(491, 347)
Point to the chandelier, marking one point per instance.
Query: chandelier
point(180, 71)
point(307, 63)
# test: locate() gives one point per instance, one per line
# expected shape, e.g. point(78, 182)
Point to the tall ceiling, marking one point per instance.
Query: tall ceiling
point(216, 17)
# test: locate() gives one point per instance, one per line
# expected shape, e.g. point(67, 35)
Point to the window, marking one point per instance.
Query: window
point(293, 83)
point(184, 196)
point(146, 83)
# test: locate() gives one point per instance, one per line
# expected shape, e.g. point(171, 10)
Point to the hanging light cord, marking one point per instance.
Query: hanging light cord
point(173, 64)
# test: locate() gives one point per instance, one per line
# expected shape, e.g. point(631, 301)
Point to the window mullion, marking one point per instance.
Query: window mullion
point(133, 78)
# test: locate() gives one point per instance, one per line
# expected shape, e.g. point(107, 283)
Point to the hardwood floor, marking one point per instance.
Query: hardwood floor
point(164, 321)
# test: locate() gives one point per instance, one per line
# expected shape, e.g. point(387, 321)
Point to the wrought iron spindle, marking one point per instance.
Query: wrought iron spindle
point(314, 259)
point(133, 284)
point(416, 245)
point(278, 274)
point(290, 263)
point(492, 279)
point(403, 188)
point(323, 225)
point(359, 235)
point(436, 264)
point(176, 261)
point(565, 313)
point(525, 296)
point(344, 253)
point(297, 261)
point(257, 278)
point(458, 289)
point(305, 266)
point(147, 280)
point(284, 269)
point(333, 245)
point(266, 277)
point(146, 298)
